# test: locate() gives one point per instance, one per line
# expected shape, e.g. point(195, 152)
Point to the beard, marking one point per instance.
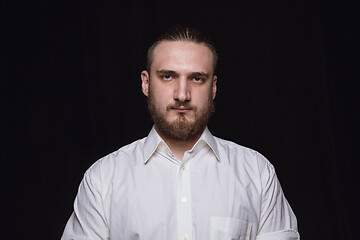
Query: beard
point(181, 129)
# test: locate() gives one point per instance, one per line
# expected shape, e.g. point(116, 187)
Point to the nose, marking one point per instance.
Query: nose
point(182, 92)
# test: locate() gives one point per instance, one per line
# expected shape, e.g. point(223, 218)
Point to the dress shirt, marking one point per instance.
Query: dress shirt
point(218, 191)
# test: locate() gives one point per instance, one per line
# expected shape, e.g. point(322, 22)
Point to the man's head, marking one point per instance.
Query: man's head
point(180, 84)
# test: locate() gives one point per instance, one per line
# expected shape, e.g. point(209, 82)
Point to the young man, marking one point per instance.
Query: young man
point(181, 182)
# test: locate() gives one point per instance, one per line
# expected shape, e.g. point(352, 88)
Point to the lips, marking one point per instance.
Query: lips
point(180, 109)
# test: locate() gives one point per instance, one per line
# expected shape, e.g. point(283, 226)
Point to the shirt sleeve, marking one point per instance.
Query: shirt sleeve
point(87, 221)
point(277, 219)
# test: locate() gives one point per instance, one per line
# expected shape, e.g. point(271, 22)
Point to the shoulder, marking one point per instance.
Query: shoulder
point(233, 150)
point(241, 157)
point(123, 159)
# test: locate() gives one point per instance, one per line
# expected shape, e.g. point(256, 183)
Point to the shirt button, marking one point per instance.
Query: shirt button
point(185, 237)
point(184, 199)
point(182, 167)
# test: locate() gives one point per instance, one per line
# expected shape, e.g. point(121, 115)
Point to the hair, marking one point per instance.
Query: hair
point(184, 34)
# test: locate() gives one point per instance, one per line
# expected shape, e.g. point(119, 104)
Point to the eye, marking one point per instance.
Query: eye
point(198, 80)
point(166, 77)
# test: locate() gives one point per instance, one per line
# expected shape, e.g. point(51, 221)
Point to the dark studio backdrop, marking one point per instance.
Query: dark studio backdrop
point(72, 93)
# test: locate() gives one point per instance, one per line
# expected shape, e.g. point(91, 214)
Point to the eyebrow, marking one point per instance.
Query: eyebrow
point(167, 72)
point(193, 74)
point(199, 74)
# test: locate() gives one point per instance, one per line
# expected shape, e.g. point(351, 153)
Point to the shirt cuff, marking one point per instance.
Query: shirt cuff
point(280, 235)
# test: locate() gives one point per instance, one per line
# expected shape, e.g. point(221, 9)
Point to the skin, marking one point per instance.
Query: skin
point(182, 80)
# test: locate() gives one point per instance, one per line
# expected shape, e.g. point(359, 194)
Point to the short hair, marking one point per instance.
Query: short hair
point(184, 34)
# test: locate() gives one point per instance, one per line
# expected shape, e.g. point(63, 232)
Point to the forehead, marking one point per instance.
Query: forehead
point(182, 55)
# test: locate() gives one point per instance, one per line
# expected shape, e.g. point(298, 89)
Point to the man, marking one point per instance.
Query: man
point(181, 182)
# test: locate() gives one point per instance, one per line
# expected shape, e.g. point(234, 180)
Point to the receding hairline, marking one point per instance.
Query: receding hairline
point(150, 52)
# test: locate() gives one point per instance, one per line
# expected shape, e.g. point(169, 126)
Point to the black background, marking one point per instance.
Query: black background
point(72, 93)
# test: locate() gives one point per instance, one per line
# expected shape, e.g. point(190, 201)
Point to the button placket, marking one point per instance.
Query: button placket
point(184, 203)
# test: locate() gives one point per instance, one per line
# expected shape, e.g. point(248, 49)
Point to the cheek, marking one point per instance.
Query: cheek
point(202, 99)
point(161, 99)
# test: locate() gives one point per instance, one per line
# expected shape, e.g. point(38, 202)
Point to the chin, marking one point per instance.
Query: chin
point(182, 119)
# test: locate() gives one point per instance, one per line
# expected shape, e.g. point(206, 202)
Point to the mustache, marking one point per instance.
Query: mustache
point(184, 105)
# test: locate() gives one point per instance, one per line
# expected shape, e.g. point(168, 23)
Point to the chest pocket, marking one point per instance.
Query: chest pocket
point(223, 228)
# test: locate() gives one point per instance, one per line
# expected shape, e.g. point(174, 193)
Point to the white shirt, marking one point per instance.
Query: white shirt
point(219, 191)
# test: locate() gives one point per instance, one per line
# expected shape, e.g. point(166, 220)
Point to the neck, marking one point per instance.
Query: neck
point(178, 148)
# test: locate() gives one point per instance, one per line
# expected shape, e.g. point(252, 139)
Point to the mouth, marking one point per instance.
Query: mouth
point(181, 109)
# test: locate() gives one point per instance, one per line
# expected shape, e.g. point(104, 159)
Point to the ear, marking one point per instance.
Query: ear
point(145, 79)
point(214, 87)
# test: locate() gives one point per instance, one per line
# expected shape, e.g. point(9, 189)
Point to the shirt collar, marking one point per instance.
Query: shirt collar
point(153, 140)
point(210, 140)
point(151, 144)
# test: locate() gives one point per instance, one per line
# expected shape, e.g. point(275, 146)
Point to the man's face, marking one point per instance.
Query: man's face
point(180, 88)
